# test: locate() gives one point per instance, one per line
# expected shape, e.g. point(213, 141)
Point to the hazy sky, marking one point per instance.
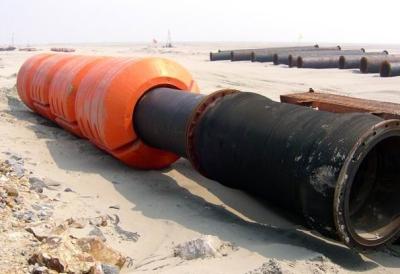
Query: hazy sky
point(337, 21)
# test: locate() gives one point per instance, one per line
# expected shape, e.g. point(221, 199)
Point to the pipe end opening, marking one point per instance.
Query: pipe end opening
point(290, 61)
point(364, 65)
point(342, 62)
point(385, 69)
point(371, 195)
point(275, 59)
point(299, 62)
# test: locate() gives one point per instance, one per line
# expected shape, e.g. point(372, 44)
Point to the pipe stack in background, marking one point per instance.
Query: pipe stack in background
point(316, 57)
point(338, 172)
point(248, 54)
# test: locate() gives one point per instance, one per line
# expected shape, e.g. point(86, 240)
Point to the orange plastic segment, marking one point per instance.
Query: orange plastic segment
point(42, 80)
point(63, 89)
point(25, 75)
point(108, 95)
point(86, 93)
point(140, 155)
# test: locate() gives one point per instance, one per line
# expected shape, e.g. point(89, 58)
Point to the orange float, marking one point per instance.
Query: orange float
point(25, 75)
point(95, 98)
point(39, 88)
point(106, 99)
point(63, 89)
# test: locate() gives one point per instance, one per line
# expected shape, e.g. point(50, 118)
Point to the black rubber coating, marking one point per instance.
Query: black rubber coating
point(372, 64)
point(161, 117)
point(248, 54)
point(221, 55)
point(286, 57)
point(321, 62)
point(293, 58)
point(390, 69)
point(288, 154)
point(267, 55)
point(339, 172)
point(353, 61)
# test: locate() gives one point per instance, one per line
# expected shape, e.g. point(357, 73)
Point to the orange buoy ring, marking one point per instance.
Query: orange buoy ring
point(39, 88)
point(106, 100)
point(25, 75)
point(63, 89)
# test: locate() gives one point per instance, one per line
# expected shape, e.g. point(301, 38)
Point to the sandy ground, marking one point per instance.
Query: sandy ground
point(173, 206)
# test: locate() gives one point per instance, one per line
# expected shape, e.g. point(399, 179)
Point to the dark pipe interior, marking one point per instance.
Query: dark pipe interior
point(374, 204)
point(385, 69)
point(253, 56)
point(299, 62)
point(342, 61)
point(275, 59)
point(363, 65)
point(290, 60)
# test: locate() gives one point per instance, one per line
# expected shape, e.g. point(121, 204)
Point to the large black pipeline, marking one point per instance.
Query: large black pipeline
point(268, 56)
point(353, 61)
point(220, 55)
point(321, 62)
point(390, 69)
point(285, 58)
point(339, 172)
point(293, 58)
point(247, 55)
point(372, 64)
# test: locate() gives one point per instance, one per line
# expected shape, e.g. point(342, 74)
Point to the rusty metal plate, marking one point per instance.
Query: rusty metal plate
point(337, 103)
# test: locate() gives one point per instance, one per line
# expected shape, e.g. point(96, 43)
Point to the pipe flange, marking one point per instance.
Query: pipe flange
point(205, 104)
point(344, 226)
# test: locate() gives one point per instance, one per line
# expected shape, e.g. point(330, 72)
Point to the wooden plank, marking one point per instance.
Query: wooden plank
point(337, 103)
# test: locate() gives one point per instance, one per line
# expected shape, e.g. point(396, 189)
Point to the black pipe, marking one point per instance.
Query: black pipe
point(321, 62)
point(353, 61)
point(262, 57)
point(294, 57)
point(373, 64)
point(286, 57)
point(280, 59)
point(282, 56)
point(390, 69)
point(241, 55)
point(268, 55)
point(162, 115)
point(339, 172)
point(221, 55)
point(248, 54)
